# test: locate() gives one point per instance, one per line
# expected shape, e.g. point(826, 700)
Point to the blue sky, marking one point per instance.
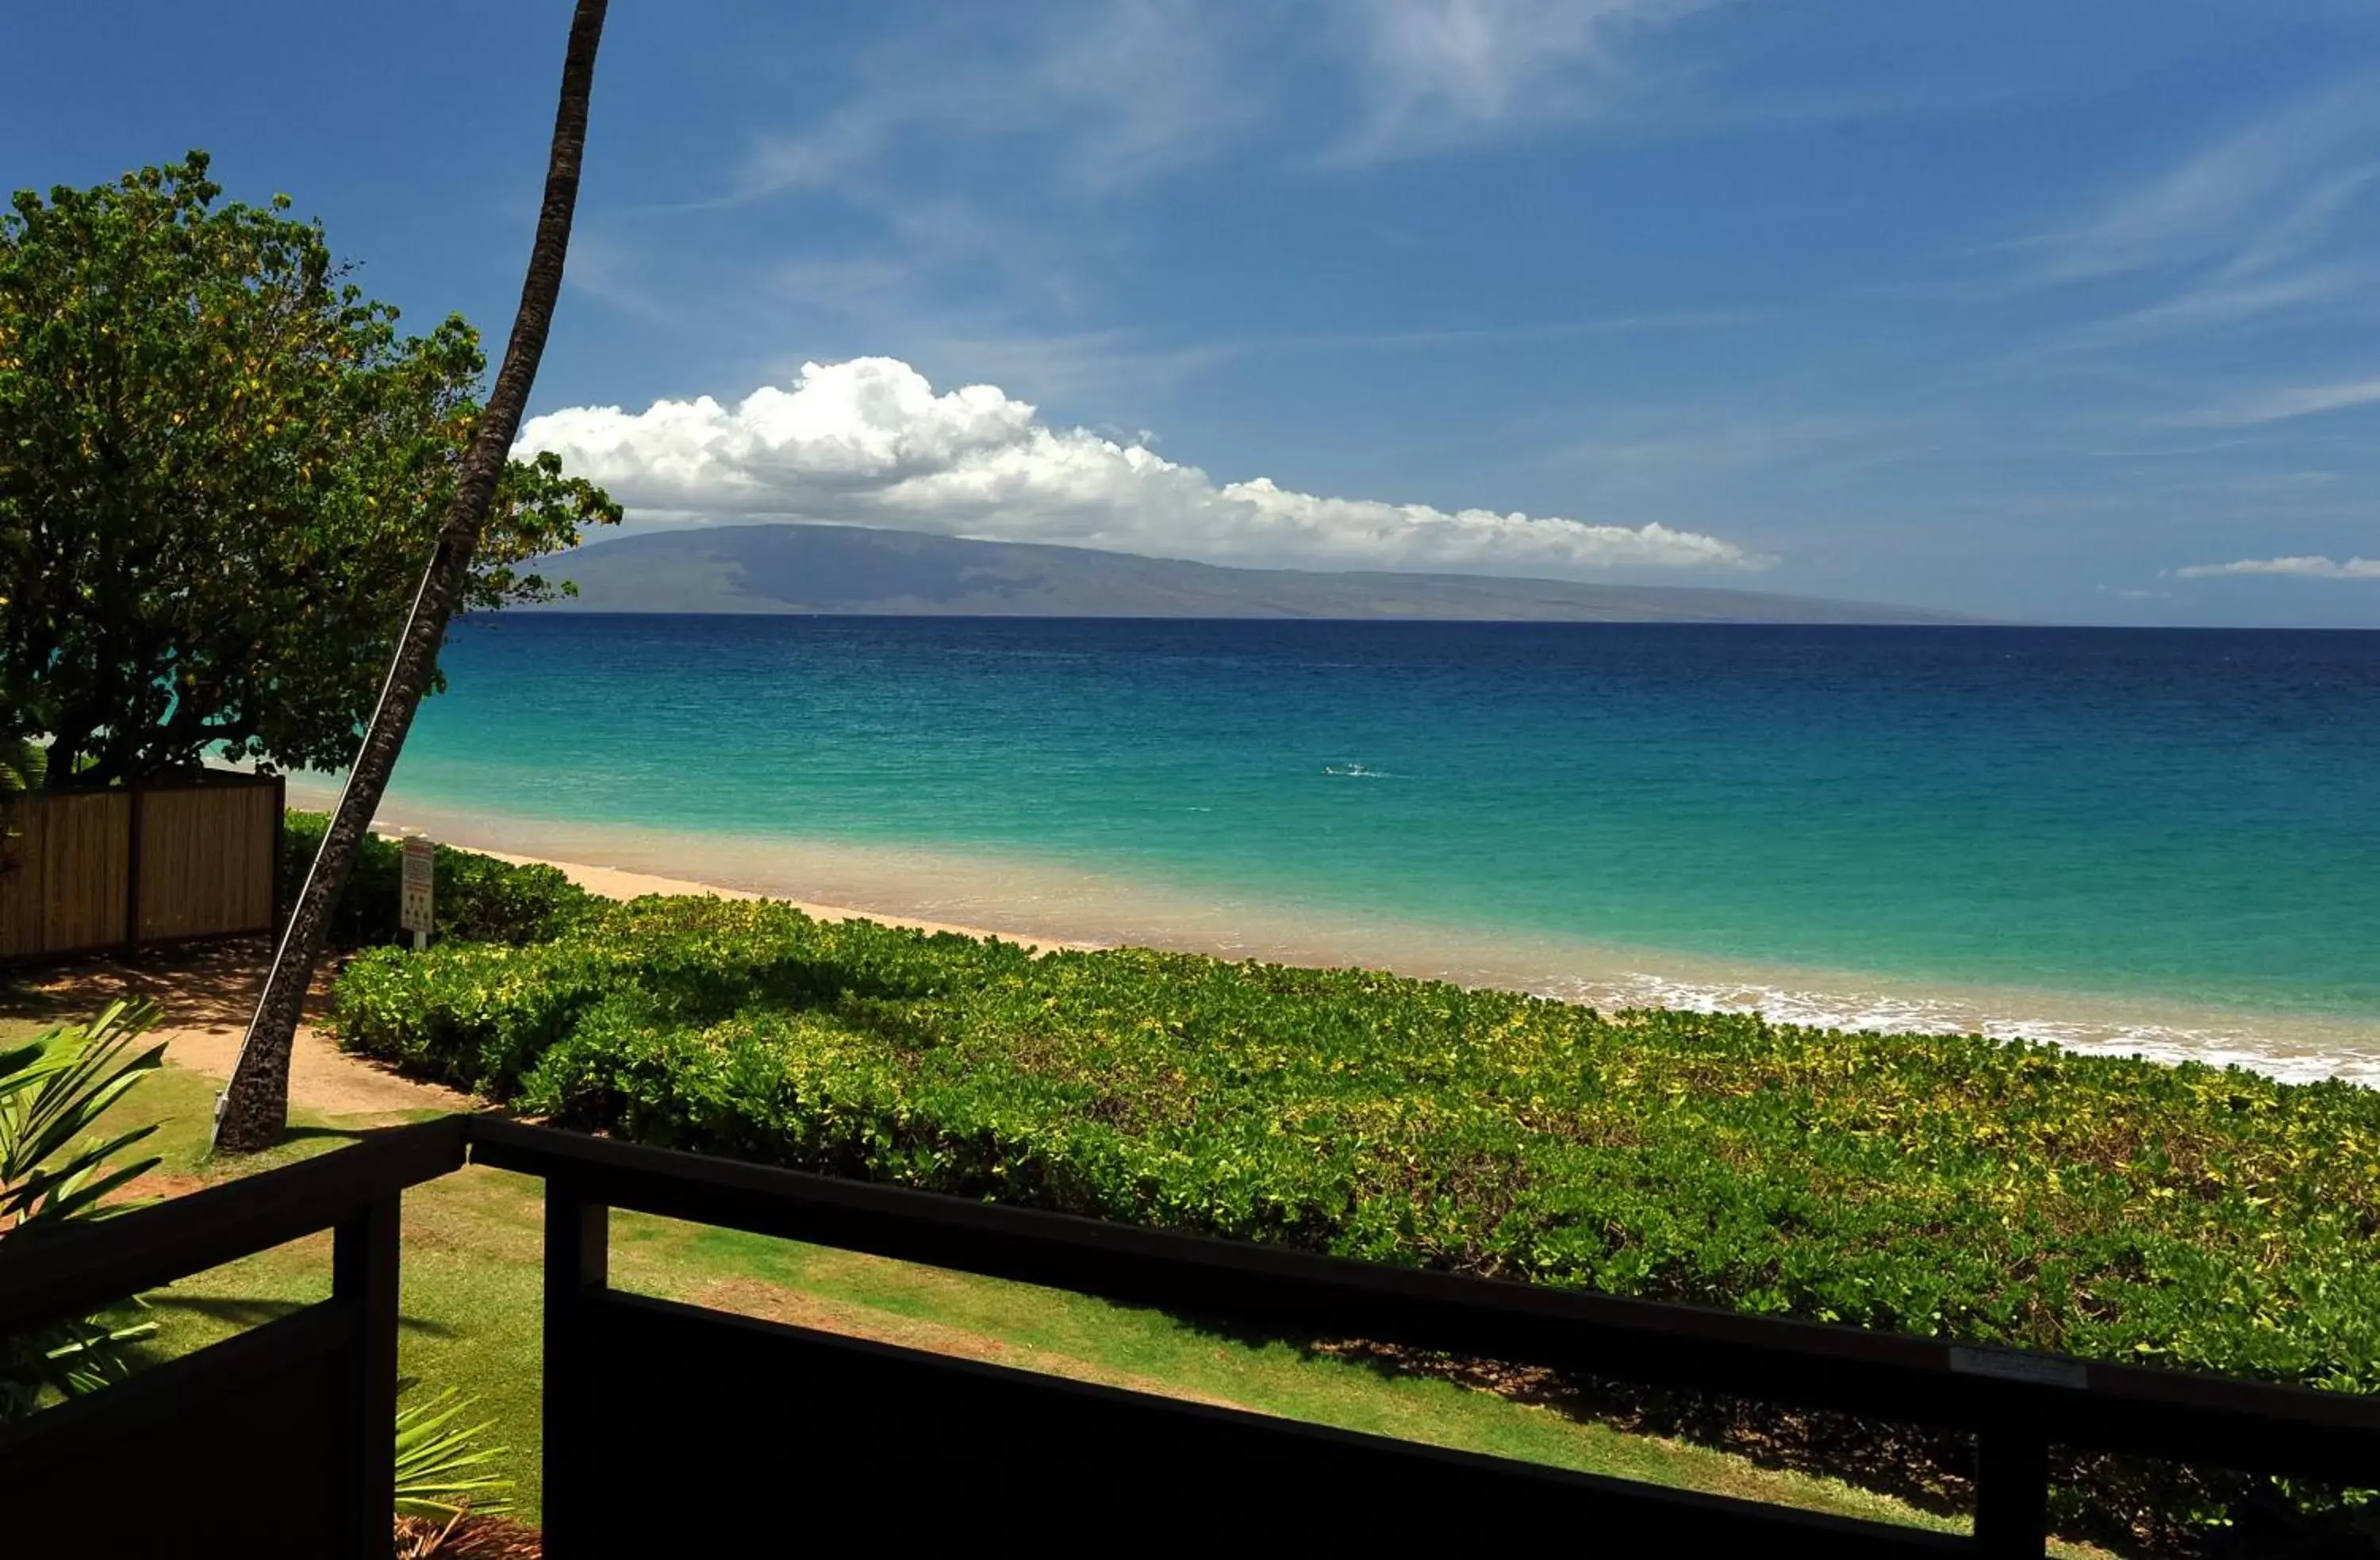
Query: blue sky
point(2034, 310)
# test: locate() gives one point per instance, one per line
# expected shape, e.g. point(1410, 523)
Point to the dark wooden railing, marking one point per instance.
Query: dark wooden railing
point(278, 1441)
point(676, 1428)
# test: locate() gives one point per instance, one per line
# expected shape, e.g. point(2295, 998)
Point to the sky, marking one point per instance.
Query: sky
point(2024, 309)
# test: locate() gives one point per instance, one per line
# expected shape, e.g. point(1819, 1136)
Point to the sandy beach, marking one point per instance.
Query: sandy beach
point(613, 882)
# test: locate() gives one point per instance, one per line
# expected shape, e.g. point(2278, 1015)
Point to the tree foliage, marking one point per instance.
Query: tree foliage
point(222, 468)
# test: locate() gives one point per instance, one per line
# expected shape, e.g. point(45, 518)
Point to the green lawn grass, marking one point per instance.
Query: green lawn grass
point(471, 1309)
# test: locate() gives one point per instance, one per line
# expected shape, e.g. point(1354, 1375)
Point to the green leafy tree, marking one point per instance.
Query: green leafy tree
point(222, 471)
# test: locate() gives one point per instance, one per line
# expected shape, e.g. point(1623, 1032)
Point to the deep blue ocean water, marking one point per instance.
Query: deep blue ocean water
point(2189, 817)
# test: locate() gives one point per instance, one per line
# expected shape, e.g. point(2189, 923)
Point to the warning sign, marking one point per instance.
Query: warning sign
point(415, 905)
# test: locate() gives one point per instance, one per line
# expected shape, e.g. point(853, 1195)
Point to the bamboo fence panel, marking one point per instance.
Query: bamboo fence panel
point(113, 868)
point(206, 860)
point(69, 875)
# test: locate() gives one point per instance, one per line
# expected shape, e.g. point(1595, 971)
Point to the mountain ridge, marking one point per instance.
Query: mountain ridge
point(839, 570)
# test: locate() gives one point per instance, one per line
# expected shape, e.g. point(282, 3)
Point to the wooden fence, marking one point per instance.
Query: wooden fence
point(82, 871)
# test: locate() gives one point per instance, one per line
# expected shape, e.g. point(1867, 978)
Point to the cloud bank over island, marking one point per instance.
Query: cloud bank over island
point(2303, 567)
point(870, 441)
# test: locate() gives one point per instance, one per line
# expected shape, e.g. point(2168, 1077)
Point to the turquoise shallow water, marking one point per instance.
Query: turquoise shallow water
point(2169, 832)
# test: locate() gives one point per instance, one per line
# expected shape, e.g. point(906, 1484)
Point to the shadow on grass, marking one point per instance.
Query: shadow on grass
point(2133, 1507)
point(239, 1311)
point(350, 1134)
point(245, 1312)
point(311, 1132)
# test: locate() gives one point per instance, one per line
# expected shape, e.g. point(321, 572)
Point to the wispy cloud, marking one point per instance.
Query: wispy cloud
point(1123, 89)
point(1436, 73)
point(2281, 405)
point(975, 300)
point(2223, 301)
point(1678, 447)
point(2299, 567)
point(603, 269)
point(1078, 367)
point(1505, 335)
point(2257, 199)
point(2307, 221)
point(823, 156)
point(1153, 81)
point(2253, 228)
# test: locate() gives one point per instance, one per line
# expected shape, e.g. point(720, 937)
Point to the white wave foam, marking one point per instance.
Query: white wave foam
point(2216, 1045)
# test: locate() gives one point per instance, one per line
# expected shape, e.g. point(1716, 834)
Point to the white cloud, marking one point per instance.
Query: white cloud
point(2303, 567)
point(1435, 72)
point(2280, 405)
point(870, 442)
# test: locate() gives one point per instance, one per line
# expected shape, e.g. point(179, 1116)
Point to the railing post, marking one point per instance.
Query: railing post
point(364, 1257)
point(2011, 1492)
point(577, 1264)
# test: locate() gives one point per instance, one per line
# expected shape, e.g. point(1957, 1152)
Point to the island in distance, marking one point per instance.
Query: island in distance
point(855, 570)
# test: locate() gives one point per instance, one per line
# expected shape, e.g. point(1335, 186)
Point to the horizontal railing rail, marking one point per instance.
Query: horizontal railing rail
point(77, 1270)
point(2016, 1403)
point(2248, 1425)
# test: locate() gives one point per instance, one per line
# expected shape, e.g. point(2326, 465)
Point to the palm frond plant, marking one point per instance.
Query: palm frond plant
point(441, 1471)
point(54, 1089)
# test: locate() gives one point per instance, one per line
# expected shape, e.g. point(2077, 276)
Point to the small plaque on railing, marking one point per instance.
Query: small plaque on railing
point(2012, 1366)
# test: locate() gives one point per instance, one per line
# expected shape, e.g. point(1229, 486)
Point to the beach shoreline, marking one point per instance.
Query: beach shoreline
point(1050, 905)
point(615, 882)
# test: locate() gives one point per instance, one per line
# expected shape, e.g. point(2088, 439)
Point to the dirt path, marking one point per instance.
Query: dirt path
point(208, 991)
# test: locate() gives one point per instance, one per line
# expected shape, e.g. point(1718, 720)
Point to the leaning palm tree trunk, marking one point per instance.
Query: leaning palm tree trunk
point(255, 1107)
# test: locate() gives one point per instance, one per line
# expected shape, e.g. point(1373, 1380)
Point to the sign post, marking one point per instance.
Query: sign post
point(416, 891)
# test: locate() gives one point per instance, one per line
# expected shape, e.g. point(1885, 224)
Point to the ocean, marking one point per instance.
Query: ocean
point(2150, 841)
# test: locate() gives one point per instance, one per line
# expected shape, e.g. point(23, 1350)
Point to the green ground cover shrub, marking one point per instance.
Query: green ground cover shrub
point(479, 898)
point(2119, 1210)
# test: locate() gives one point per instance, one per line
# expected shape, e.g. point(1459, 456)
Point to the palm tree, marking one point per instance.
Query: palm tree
point(254, 1109)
